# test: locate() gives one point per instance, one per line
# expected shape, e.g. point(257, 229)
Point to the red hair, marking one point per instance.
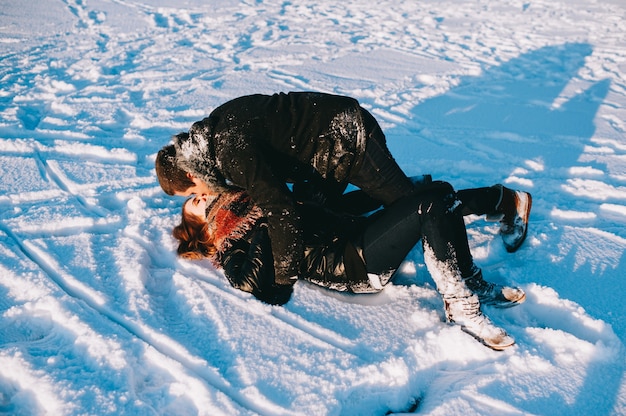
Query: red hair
point(194, 239)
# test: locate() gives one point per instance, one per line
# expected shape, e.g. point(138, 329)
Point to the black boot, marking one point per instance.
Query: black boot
point(492, 294)
point(513, 212)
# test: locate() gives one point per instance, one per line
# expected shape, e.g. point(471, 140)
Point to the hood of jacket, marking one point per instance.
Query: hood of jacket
point(195, 154)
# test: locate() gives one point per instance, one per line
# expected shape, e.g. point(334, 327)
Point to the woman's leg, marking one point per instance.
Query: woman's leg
point(480, 201)
point(394, 232)
point(432, 216)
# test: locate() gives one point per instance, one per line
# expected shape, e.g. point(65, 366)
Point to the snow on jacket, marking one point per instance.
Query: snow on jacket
point(260, 142)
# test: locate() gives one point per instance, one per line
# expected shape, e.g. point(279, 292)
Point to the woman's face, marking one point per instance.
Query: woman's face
point(197, 206)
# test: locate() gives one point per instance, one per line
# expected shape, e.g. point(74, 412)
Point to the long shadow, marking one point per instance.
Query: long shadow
point(518, 97)
point(511, 114)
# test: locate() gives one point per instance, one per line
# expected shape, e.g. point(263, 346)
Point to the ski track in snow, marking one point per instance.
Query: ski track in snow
point(98, 315)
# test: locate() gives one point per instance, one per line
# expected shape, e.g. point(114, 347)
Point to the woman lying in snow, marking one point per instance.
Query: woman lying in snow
point(359, 254)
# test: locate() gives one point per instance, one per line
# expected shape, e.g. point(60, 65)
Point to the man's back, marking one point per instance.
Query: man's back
point(320, 130)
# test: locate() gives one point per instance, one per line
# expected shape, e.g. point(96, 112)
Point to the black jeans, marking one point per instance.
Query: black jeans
point(433, 216)
point(480, 201)
point(381, 178)
point(379, 175)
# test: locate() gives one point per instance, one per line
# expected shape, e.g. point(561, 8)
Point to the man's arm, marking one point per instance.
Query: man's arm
point(244, 165)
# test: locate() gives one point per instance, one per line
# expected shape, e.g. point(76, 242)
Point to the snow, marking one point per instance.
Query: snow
point(98, 316)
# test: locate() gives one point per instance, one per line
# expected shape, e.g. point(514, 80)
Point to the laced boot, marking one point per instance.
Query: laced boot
point(493, 294)
point(513, 212)
point(465, 311)
point(460, 304)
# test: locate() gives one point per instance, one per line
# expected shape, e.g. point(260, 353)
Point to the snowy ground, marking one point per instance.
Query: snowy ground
point(97, 316)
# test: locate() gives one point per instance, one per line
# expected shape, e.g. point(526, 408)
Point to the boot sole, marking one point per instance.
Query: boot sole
point(503, 305)
point(495, 347)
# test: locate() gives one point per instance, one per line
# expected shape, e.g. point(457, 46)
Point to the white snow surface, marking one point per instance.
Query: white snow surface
point(98, 316)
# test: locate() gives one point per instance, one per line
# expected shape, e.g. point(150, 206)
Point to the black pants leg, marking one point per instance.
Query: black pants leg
point(432, 216)
point(480, 201)
point(379, 176)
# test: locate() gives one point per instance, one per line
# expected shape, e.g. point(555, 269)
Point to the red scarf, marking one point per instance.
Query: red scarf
point(230, 216)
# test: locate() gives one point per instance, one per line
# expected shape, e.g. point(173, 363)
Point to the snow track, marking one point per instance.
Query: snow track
point(97, 315)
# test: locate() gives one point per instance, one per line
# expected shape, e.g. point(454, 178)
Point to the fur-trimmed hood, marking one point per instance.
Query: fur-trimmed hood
point(196, 155)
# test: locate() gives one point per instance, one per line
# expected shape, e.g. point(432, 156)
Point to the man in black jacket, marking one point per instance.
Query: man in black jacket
point(259, 143)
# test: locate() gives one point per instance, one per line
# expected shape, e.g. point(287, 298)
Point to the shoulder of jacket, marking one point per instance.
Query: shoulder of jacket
point(204, 126)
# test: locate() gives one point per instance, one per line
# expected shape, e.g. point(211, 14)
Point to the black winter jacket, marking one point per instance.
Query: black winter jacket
point(330, 258)
point(260, 142)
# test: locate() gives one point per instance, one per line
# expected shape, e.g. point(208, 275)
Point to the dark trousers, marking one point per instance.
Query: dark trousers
point(480, 201)
point(432, 216)
point(379, 176)
point(432, 213)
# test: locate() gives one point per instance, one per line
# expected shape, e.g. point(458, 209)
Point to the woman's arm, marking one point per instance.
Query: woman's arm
point(249, 266)
point(246, 167)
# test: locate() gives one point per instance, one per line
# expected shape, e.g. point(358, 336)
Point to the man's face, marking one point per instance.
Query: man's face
point(199, 188)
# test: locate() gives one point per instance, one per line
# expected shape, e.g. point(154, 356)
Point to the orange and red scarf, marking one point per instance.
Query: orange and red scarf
point(230, 216)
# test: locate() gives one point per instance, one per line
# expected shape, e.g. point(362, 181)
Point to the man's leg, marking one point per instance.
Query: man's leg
point(379, 175)
point(480, 201)
point(499, 203)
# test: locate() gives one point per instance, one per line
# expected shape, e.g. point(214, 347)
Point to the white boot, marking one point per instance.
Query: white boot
point(466, 313)
point(461, 305)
